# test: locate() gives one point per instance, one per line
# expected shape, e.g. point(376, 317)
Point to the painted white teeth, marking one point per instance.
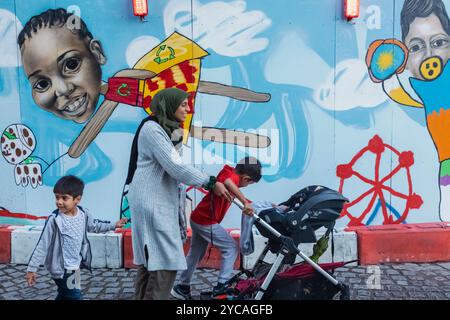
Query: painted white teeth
point(75, 105)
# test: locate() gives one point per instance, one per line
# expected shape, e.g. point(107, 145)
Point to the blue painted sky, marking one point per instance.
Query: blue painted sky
point(303, 53)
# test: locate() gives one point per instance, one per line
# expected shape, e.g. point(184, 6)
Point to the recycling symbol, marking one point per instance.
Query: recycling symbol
point(121, 88)
point(164, 48)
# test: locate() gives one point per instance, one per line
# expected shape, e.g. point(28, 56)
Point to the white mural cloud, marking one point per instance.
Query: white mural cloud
point(348, 87)
point(10, 26)
point(285, 67)
point(225, 27)
point(139, 47)
point(345, 87)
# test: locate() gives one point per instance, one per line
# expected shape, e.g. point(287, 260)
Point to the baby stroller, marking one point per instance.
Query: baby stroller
point(308, 210)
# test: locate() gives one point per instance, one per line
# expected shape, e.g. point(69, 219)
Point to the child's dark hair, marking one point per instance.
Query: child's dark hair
point(49, 18)
point(70, 185)
point(251, 167)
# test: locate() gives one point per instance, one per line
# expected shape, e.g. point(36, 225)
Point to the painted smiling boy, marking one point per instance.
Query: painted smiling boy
point(62, 64)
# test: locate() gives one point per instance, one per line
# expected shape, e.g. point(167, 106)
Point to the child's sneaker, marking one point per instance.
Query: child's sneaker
point(181, 292)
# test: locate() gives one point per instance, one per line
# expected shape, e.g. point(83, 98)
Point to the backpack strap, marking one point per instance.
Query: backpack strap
point(132, 165)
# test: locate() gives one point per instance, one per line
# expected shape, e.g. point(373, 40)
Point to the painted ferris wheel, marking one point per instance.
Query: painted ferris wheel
point(377, 187)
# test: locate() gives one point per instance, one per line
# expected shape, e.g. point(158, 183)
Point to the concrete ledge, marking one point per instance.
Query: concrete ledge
point(345, 249)
point(214, 259)
point(345, 243)
point(98, 248)
point(114, 250)
point(106, 247)
point(425, 242)
point(213, 262)
point(23, 242)
point(127, 248)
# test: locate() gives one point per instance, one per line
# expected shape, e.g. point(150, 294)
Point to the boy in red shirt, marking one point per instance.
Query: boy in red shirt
point(206, 228)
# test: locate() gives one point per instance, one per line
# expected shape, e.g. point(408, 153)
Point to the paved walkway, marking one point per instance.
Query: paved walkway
point(401, 281)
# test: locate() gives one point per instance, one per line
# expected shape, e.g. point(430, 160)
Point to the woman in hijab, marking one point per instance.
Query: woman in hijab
point(155, 197)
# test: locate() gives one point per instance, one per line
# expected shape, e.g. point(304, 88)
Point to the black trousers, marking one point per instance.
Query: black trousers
point(153, 285)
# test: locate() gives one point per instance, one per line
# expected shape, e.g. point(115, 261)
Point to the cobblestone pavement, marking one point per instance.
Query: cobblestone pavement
point(397, 281)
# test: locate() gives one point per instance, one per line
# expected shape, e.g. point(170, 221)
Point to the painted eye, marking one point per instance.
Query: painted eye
point(72, 65)
point(416, 48)
point(42, 85)
point(439, 43)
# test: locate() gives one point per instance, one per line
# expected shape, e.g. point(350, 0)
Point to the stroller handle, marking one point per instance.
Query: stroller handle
point(259, 220)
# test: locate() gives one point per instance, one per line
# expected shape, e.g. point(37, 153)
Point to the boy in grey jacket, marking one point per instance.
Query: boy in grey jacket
point(63, 246)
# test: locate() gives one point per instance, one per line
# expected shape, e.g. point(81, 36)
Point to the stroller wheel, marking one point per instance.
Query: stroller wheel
point(345, 292)
point(230, 294)
point(206, 295)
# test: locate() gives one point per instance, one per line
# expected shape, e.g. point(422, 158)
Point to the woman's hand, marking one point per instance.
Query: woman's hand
point(221, 191)
point(31, 278)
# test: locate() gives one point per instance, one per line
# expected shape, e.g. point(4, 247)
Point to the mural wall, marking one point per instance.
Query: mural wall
point(357, 106)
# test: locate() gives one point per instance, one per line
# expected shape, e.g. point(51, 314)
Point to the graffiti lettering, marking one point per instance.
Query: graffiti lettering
point(373, 14)
point(373, 282)
point(74, 281)
point(74, 22)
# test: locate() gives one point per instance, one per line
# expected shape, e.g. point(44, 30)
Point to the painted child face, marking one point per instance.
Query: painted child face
point(66, 203)
point(426, 38)
point(64, 72)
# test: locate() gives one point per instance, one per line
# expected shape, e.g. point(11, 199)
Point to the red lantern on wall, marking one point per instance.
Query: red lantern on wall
point(351, 9)
point(140, 8)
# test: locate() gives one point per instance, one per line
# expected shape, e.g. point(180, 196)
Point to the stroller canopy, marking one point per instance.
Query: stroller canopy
point(307, 210)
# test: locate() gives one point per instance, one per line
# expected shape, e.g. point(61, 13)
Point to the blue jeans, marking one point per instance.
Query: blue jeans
point(69, 287)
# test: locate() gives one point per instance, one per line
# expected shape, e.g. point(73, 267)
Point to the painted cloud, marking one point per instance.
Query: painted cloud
point(9, 27)
point(224, 27)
